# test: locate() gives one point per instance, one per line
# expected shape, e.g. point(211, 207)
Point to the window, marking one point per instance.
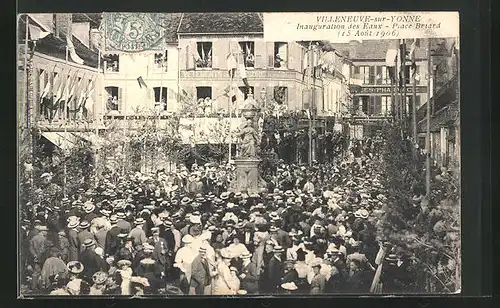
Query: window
point(376, 105)
point(160, 92)
point(248, 51)
point(385, 75)
point(204, 56)
point(113, 98)
point(364, 103)
point(281, 95)
point(112, 63)
point(364, 72)
point(386, 105)
point(161, 61)
point(280, 57)
point(245, 91)
point(203, 92)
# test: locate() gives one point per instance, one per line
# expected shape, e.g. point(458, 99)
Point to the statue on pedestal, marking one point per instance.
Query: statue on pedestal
point(249, 140)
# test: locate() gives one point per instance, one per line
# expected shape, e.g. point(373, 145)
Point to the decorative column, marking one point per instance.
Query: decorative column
point(248, 177)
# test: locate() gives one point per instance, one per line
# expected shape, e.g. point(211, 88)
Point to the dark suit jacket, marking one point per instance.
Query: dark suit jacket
point(200, 275)
point(251, 281)
point(82, 236)
point(275, 272)
point(74, 248)
point(112, 240)
point(250, 245)
point(92, 263)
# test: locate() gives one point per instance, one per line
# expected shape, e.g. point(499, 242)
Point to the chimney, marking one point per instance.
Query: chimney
point(62, 23)
point(353, 46)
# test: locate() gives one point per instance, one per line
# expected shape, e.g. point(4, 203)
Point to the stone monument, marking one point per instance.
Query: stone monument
point(248, 177)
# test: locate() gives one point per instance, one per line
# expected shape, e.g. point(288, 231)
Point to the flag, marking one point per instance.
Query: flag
point(390, 57)
point(305, 65)
point(414, 45)
point(141, 82)
point(232, 65)
point(229, 92)
point(242, 70)
point(72, 51)
point(45, 91)
point(36, 33)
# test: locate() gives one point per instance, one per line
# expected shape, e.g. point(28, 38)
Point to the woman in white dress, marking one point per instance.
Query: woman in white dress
point(223, 282)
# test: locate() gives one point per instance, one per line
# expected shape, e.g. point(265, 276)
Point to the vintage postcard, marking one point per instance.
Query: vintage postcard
point(242, 154)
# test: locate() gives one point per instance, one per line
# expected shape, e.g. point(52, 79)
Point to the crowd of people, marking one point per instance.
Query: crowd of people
point(311, 231)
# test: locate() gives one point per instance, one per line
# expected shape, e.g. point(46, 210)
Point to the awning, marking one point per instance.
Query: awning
point(64, 141)
point(96, 141)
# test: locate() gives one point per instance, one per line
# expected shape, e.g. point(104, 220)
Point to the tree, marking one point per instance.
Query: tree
point(428, 230)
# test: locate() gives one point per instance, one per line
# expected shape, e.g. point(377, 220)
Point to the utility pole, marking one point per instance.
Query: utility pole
point(311, 98)
point(414, 97)
point(428, 132)
point(403, 82)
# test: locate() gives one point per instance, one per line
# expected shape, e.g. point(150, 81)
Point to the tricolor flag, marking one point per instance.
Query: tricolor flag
point(229, 92)
point(232, 65)
point(305, 65)
point(141, 82)
point(242, 70)
point(72, 51)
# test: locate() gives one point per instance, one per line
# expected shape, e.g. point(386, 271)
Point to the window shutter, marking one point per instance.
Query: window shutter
point(190, 49)
point(306, 98)
point(377, 108)
point(356, 70)
point(121, 100)
point(220, 49)
point(165, 63)
point(260, 54)
point(371, 74)
point(378, 73)
point(318, 99)
point(270, 54)
point(294, 58)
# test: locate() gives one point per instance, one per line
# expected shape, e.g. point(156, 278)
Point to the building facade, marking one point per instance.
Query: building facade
point(142, 80)
point(274, 70)
point(372, 99)
point(444, 103)
point(54, 74)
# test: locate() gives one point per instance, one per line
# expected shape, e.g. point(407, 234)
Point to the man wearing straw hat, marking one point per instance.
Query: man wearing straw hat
point(201, 277)
point(137, 233)
point(249, 275)
point(112, 236)
point(275, 270)
point(74, 244)
point(84, 234)
point(183, 260)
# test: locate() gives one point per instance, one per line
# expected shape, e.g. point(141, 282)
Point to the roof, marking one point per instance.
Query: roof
point(372, 49)
point(195, 23)
point(56, 47)
point(93, 18)
point(171, 23)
